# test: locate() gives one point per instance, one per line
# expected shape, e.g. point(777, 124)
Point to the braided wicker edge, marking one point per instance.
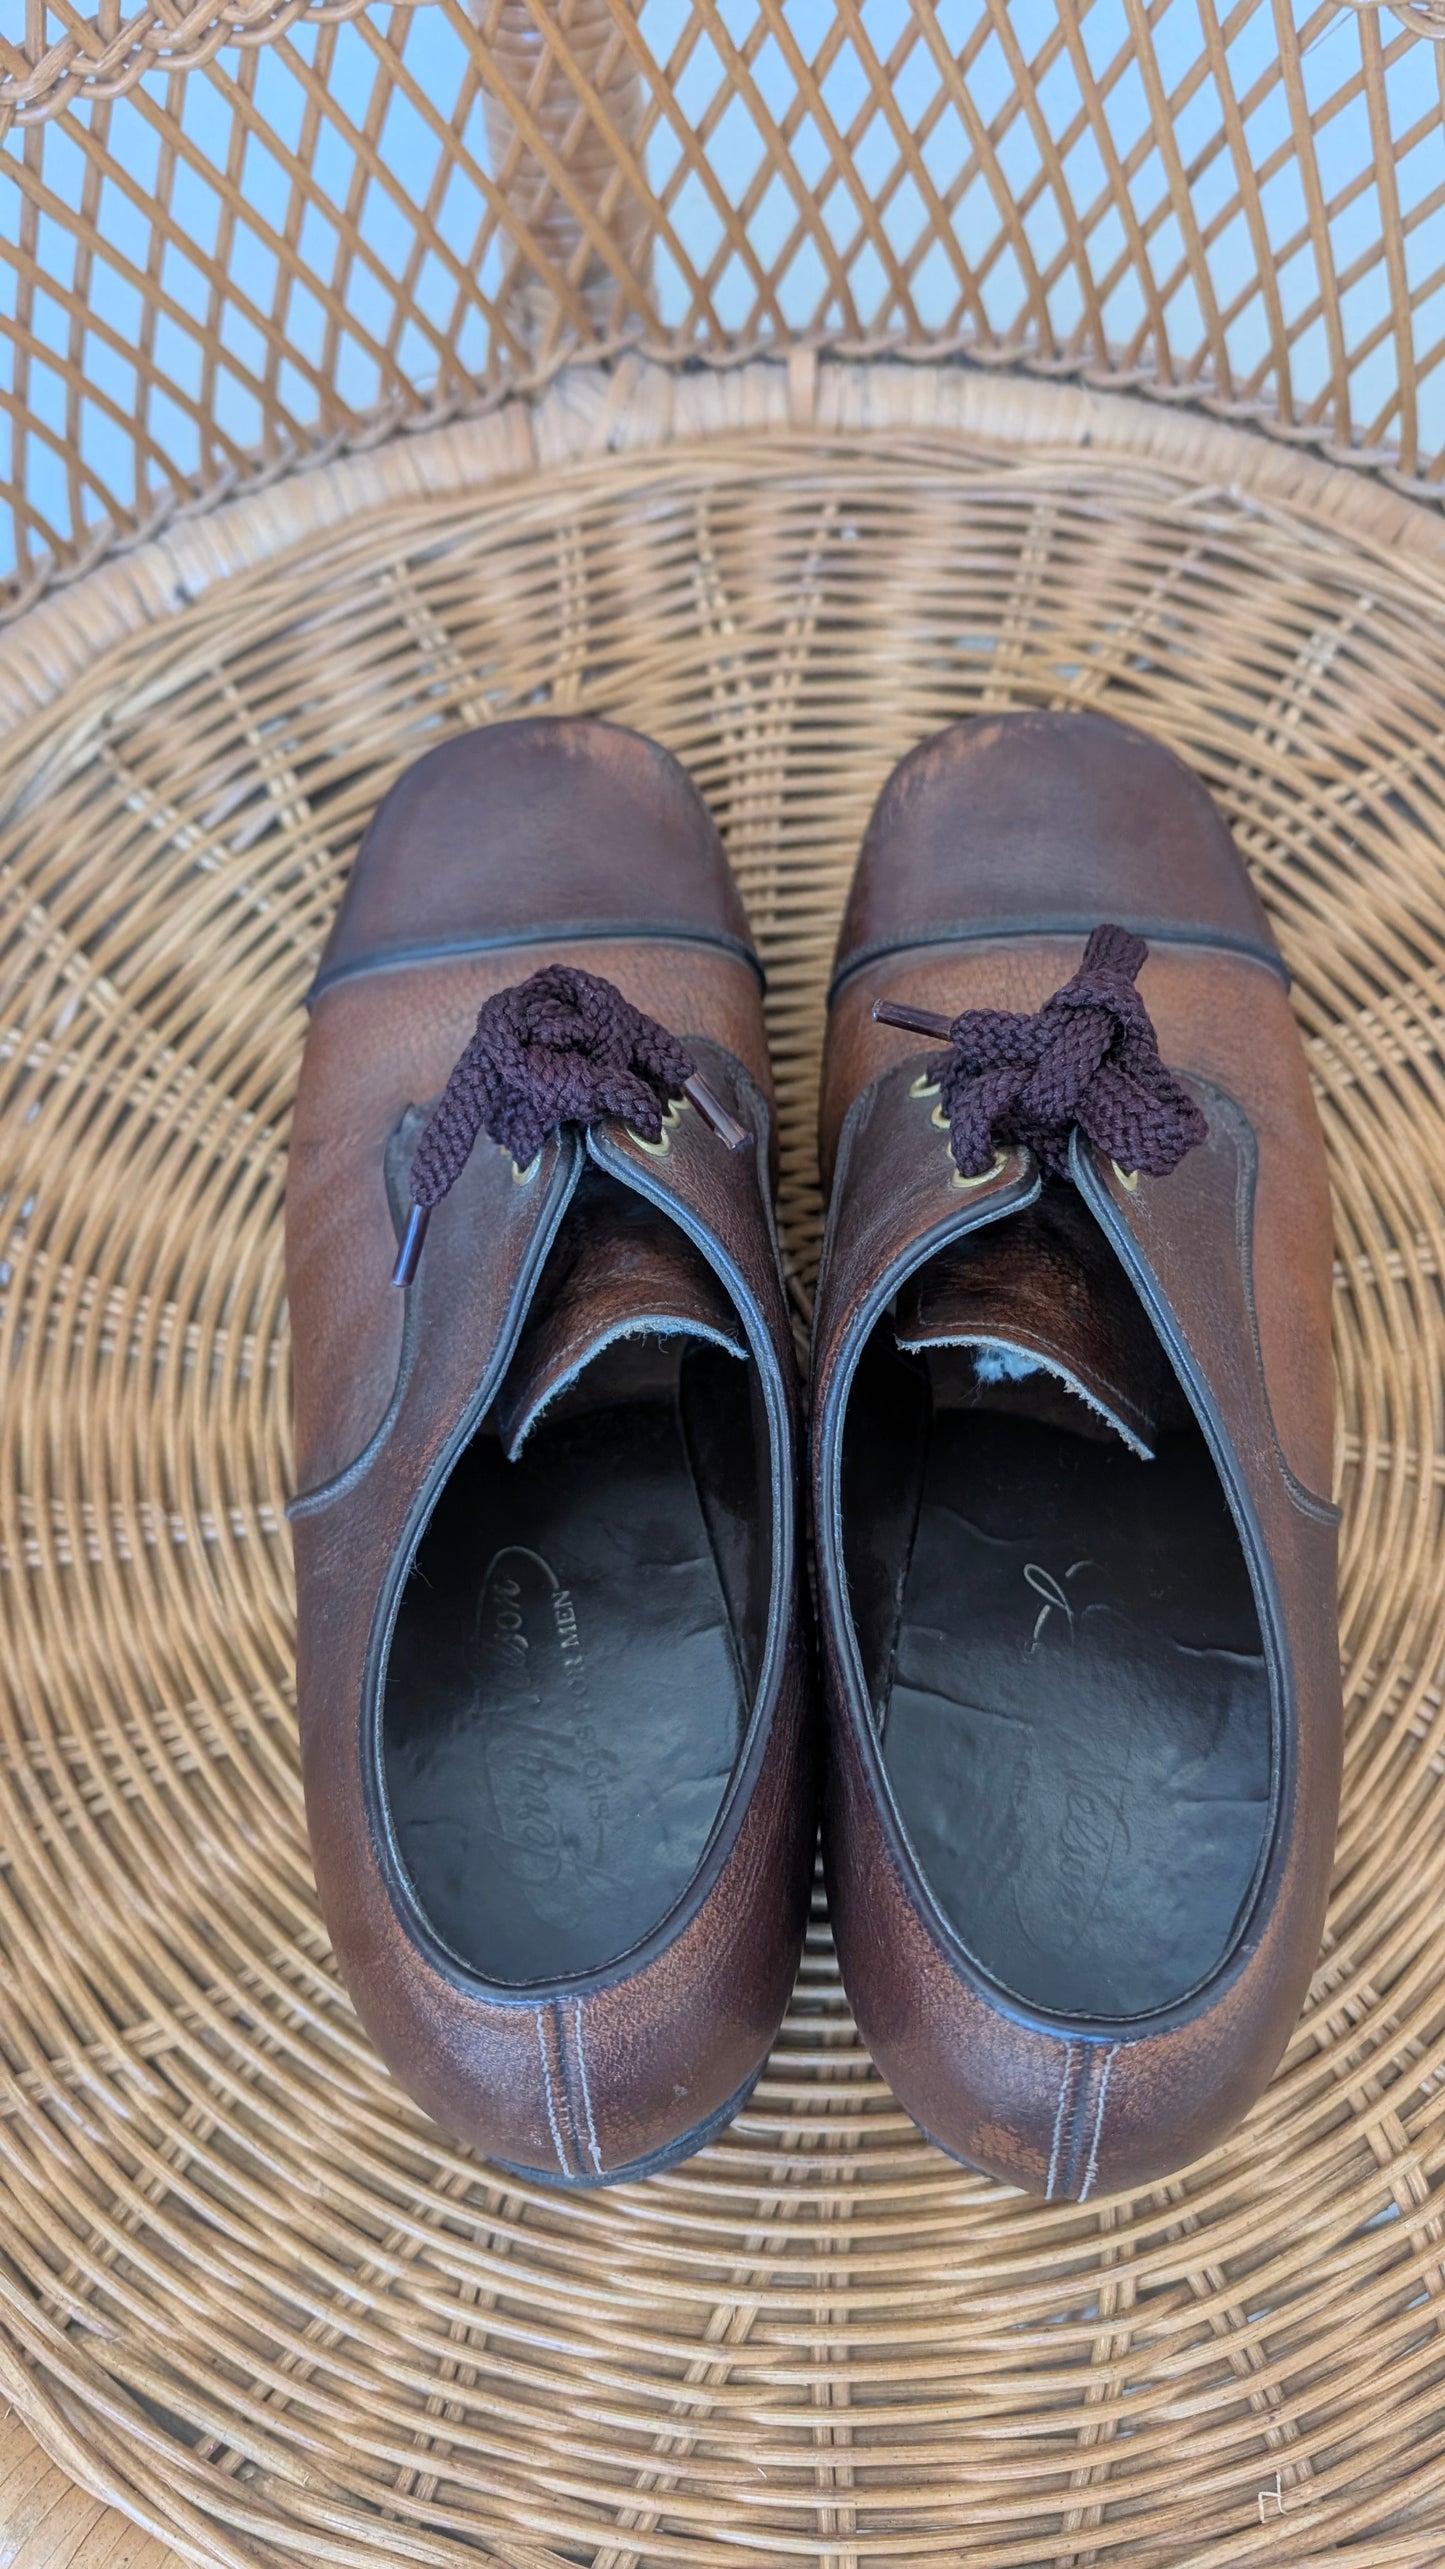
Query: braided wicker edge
point(638, 405)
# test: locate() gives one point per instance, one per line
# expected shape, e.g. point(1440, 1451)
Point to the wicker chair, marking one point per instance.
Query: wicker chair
point(785, 380)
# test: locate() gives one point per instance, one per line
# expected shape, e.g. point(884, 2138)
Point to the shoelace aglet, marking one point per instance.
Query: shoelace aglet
point(411, 1240)
point(713, 1112)
point(913, 1021)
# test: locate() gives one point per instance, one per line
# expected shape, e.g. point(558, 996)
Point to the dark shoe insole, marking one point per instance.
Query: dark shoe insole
point(1078, 1731)
point(564, 1703)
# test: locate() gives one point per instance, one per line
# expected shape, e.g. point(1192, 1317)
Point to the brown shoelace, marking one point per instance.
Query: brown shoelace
point(562, 1048)
point(1089, 1057)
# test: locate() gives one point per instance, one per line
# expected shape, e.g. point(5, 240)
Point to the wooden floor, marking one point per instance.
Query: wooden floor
point(47, 2523)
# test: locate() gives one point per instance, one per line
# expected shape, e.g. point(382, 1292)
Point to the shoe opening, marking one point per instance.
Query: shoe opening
point(1057, 1625)
point(580, 1637)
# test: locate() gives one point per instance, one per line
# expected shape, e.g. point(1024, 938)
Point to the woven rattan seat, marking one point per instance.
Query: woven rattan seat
point(247, 2291)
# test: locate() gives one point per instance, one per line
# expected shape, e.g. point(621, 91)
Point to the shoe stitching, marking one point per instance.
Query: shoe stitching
point(1076, 2121)
point(562, 2160)
point(1092, 2170)
point(1065, 2082)
point(586, 2088)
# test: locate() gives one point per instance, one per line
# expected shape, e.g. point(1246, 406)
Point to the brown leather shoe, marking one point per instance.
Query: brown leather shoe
point(1072, 1454)
point(552, 1713)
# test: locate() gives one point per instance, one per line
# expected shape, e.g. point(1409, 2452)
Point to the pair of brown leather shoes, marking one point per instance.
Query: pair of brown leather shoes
point(1071, 1445)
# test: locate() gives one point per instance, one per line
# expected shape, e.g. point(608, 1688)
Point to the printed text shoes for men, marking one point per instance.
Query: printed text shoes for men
point(551, 1704)
point(1072, 1461)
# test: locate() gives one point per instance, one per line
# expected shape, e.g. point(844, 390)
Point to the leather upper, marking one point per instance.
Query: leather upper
point(1231, 1260)
point(588, 2076)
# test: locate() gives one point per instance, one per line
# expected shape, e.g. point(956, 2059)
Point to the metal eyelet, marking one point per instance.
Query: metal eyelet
point(939, 1120)
point(965, 1184)
point(524, 1177)
point(1128, 1178)
point(672, 1113)
point(923, 1086)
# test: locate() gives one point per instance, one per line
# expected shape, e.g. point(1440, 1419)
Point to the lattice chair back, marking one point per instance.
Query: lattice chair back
point(248, 233)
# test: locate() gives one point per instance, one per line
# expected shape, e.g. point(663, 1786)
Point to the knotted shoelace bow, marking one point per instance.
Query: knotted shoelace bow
point(562, 1048)
point(1089, 1057)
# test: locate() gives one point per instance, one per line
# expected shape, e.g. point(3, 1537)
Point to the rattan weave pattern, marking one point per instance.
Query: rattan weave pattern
point(245, 2289)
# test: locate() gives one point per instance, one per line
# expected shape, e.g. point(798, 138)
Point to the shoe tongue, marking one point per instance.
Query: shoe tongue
point(621, 1275)
point(1039, 1301)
